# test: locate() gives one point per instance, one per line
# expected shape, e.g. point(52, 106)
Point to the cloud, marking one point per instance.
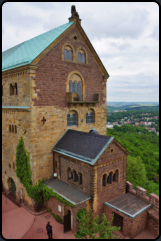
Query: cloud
point(155, 33)
point(124, 34)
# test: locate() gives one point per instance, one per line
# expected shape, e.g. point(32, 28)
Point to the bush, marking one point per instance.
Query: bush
point(58, 218)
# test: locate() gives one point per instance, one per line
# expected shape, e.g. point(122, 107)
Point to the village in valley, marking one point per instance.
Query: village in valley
point(147, 119)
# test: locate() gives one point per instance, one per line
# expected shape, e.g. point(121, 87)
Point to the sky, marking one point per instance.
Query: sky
point(125, 36)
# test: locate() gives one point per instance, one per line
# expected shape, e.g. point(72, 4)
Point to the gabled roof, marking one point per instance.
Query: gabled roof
point(83, 146)
point(26, 52)
point(129, 205)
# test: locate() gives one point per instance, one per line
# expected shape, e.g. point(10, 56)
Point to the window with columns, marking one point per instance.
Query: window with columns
point(116, 176)
point(73, 176)
point(90, 117)
point(110, 178)
point(13, 89)
point(72, 119)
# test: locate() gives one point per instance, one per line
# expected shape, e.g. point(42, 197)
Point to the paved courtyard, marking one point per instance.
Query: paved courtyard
point(19, 223)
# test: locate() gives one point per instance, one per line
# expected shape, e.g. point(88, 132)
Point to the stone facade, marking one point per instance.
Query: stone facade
point(92, 176)
point(43, 86)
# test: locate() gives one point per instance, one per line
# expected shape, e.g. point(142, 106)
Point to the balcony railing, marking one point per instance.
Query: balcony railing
point(88, 98)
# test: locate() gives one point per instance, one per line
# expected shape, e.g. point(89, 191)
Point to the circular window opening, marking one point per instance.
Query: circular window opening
point(75, 37)
point(111, 150)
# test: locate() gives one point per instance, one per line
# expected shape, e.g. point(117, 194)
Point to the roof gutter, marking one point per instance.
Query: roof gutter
point(128, 214)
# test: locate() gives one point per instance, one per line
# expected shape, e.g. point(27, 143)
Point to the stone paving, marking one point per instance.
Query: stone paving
point(16, 221)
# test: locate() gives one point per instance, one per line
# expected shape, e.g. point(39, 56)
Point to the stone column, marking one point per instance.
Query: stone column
point(140, 192)
point(154, 200)
point(129, 186)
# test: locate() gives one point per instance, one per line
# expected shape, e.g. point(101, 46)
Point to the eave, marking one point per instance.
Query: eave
point(19, 69)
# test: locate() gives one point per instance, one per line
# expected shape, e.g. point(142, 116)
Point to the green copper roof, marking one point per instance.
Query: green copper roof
point(27, 51)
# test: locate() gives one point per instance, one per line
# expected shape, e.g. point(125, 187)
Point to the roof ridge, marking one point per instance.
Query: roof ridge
point(86, 133)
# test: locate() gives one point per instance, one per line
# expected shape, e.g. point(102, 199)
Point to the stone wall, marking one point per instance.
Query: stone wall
point(53, 204)
point(153, 212)
point(53, 71)
point(49, 87)
point(131, 227)
point(110, 191)
point(109, 155)
point(21, 119)
point(79, 167)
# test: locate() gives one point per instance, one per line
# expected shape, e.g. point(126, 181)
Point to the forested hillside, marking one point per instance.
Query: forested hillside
point(116, 116)
point(143, 161)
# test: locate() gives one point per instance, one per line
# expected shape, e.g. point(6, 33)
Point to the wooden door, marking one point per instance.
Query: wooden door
point(118, 221)
point(67, 222)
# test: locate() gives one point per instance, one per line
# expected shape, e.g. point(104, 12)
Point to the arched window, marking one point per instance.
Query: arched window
point(76, 177)
point(68, 53)
point(116, 176)
point(90, 117)
point(15, 129)
point(81, 56)
point(16, 89)
point(69, 173)
point(12, 128)
point(72, 119)
point(11, 89)
point(74, 173)
point(75, 88)
point(109, 178)
point(80, 179)
point(104, 180)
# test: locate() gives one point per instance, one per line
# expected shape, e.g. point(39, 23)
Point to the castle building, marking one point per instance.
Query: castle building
point(54, 96)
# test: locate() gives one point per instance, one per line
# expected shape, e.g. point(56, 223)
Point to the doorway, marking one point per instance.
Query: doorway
point(13, 187)
point(118, 221)
point(67, 221)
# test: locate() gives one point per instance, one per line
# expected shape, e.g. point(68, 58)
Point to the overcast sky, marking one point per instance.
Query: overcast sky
point(124, 35)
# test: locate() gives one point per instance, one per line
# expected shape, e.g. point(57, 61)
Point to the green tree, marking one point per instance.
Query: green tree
point(23, 169)
point(89, 227)
point(136, 172)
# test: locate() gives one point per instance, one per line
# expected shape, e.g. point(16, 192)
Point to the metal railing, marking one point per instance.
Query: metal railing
point(87, 97)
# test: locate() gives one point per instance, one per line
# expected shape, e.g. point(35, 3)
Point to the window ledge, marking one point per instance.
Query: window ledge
point(75, 62)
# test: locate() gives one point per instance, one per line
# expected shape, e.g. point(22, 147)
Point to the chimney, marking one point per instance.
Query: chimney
point(75, 16)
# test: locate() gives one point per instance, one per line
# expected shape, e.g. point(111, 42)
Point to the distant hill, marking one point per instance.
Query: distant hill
point(142, 106)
